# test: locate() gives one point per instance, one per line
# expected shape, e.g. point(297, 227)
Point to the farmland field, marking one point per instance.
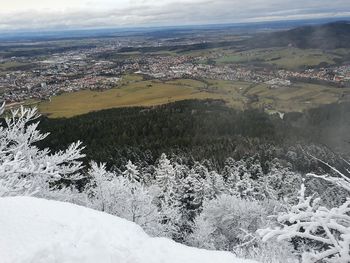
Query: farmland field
point(143, 93)
point(133, 91)
point(297, 97)
point(288, 58)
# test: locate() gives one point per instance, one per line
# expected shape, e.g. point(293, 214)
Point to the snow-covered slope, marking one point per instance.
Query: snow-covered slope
point(42, 231)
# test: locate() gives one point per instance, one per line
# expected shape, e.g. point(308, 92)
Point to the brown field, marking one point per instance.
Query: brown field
point(134, 91)
point(142, 93)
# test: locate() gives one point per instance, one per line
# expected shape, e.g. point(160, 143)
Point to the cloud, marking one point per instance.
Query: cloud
point(108, 13)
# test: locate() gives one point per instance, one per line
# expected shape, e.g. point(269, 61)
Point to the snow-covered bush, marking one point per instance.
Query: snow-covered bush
point(327, 231)
point(226, 222)
point(280, 184)
point(123, 197)
point(229, 223)
point(24, 168)
point(268, 252)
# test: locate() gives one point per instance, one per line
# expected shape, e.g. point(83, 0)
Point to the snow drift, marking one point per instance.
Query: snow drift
point(44, 231)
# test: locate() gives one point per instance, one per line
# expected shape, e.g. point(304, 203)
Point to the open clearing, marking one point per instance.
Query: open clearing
point(142, 93)
point(298, 97)
point(133, 91)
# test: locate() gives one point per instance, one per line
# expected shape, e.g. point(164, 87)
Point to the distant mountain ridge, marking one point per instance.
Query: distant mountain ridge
point(155, 31)
point(327, 36)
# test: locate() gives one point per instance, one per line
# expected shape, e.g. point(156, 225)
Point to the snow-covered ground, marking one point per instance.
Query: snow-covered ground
point(41, 231)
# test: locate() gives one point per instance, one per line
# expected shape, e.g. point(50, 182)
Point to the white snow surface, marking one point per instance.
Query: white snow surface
point(36, 230)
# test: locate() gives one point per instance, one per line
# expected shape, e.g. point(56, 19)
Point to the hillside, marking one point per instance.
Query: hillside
point(38, 230)
point(327, 36)
point(198, 129)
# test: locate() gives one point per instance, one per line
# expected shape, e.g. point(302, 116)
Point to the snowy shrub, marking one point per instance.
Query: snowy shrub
point(327, 231)
point(280, 184)
point(24, 168)
point(227, 222)
point(268, 252)
point(123, 197)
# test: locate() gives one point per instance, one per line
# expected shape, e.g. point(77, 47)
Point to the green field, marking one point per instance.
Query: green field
point(298, 97)
point(288, 58)
point(134, 91)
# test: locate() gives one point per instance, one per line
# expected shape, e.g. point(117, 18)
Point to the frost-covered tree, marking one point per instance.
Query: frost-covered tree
point(24, 168)
point(254, 168)
point(147, 172)
point(131, 172)
point(239, 177)
point(193, 191)
point(280, 184)
point(330, 194)
point(245, 187)
point(167, 190)
point(213, 185)
point(117, 195)
point(98, 187)
point(231, 176)
point(201, 170)
point(339, 179)
point(164, 173)
point(170, 212)
point(180, 171)
point(227, 222)
point(327, 231)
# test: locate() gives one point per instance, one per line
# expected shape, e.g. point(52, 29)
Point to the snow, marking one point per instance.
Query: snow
point(44, 231)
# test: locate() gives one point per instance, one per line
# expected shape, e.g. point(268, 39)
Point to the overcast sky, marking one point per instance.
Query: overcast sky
point(58, 14)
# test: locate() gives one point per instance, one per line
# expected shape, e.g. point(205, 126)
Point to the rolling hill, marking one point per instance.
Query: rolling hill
point(327, 36)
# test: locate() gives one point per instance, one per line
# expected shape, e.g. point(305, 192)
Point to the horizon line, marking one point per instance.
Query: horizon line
point(321, 20)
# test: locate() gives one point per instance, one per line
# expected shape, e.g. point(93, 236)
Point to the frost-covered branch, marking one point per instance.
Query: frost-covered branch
point(328, 229)
point(341, 180)
point(26, 169)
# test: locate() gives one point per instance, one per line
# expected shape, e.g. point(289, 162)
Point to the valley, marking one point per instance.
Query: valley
point(70, 77)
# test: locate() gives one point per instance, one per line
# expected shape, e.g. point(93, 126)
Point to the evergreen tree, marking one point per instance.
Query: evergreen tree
point(164, 173)
point(131, 172)
point(214, 185)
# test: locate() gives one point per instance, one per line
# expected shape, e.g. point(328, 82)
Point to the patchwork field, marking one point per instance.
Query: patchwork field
point(298, 97)
point(133, 91)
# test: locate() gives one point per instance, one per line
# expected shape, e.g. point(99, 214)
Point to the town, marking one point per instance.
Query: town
point(103, 66)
